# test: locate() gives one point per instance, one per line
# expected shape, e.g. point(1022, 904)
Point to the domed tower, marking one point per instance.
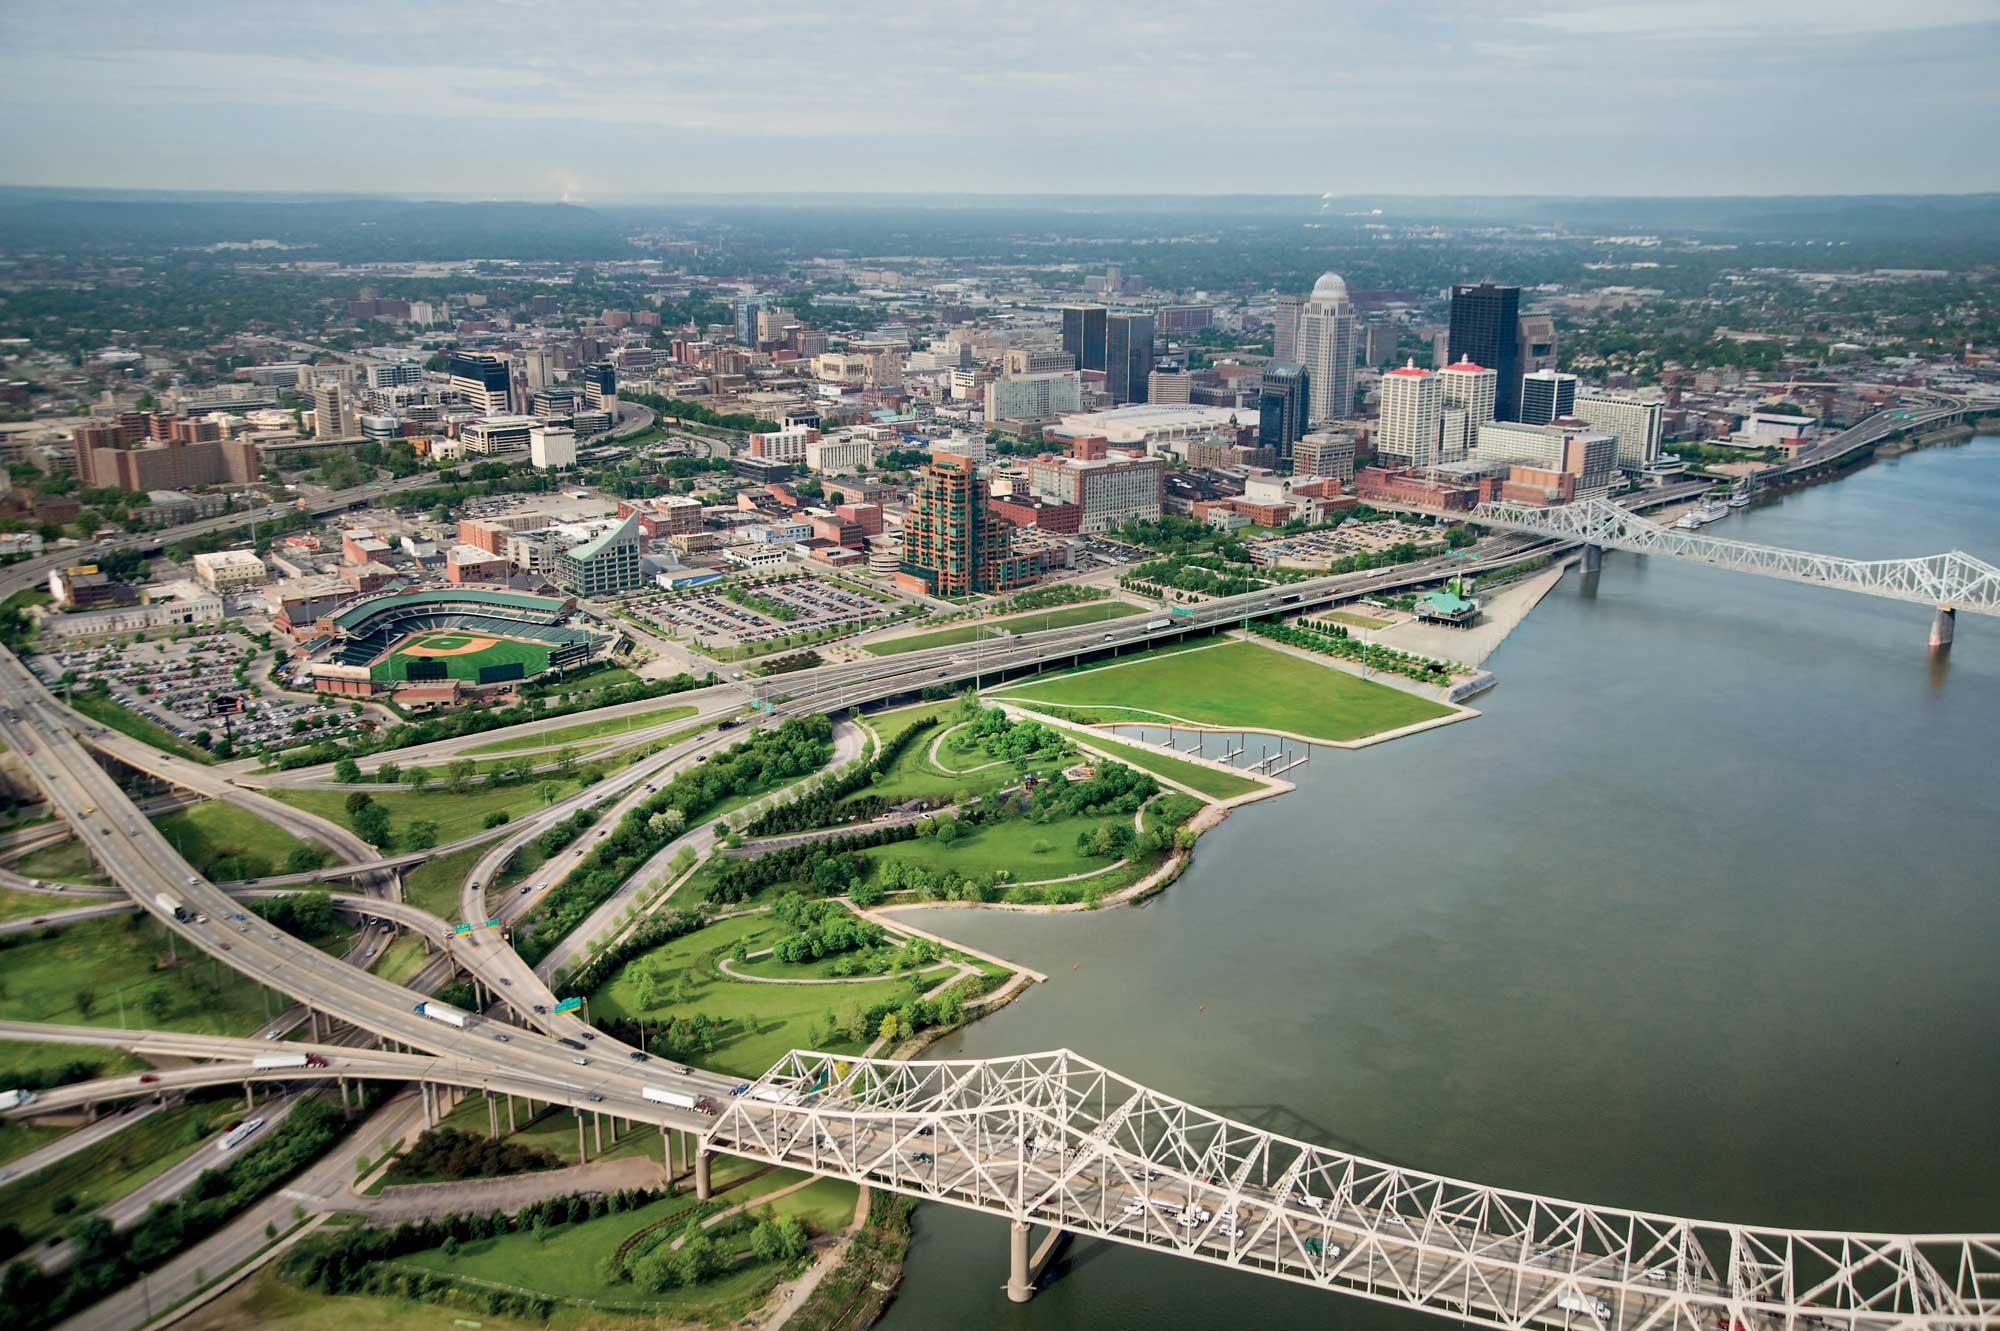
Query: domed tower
point(1328, 333)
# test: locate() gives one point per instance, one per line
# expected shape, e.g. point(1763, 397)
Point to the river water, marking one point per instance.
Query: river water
point(1701, 916)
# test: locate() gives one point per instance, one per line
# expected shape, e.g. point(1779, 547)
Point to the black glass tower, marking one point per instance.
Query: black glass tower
point(1128, 356)
point(1282, 407)
point(1083, 335)
point(1486, 328)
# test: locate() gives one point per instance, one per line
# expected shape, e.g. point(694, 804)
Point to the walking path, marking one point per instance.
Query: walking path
point(727, 966)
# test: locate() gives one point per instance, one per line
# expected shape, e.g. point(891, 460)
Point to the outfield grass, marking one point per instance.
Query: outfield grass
point(1196, 776)
point(1034, 621)
point(455, 815)
point(210, 834)
point(763, 1022)
point(106, 1170)
point(109, 711)
point(1229, 685)
point(62, 862)
point(93, 964)
point(532, 656)
point(617, 725)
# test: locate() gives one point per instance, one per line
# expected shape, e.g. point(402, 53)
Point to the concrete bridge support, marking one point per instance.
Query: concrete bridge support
point(492, 1117)
point(582, 1151)
point(702, 1190)
point(1942, 627)
point(1019, 1288)
point(1593, 559)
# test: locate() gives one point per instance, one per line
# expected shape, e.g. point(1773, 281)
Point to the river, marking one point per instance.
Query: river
point(1698, 917)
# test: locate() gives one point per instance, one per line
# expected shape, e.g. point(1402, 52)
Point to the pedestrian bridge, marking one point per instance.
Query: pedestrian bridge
point(1053, 1139)
point(1955, 579)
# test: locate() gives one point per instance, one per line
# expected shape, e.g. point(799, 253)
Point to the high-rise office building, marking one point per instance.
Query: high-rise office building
point(1467, 392)
point(1411, 403)
point(1327, 335)
point(1485, 329)
point(1282, 407)
point(953, 542)
point(329, 412)
point(1634, 422)
point(1128, 356)
point(747, 310)
point(482, 379)
point(1535, 343)
point(1547, 395)
point(1083, 334)
point(1285, 328)
point(600, 386)
point(1171, 385)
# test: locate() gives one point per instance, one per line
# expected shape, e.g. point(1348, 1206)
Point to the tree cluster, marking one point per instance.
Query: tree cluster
point(451, 1154)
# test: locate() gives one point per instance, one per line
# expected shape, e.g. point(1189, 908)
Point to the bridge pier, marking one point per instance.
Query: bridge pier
point(701, 1184)
point(1942, 627)
point(582, 1151)
point(492, 1118)
point(510, 1113)
point(597, 1130)
point(1593, 558)
point(1019, 1289)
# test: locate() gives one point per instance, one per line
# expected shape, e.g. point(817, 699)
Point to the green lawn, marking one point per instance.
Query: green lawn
point(26, 905)
point(1065, 616)
point(266, 1302)
point(533, 657)
point(62, 862)
point(20, 1057)
point(1231, 684)
point(764, 1021)
point(17, 1138)
point(105, 1171)
point(1027, 850)
point(225, 842)
point(110, 712)
point(433, 885)
point(603, 678)
point(1352, 620)
point(617, 725)
point(79, 976)
point(403, 959)
point(456, 816)
point(553, 1129)
point(914, 775)
point(1219, 785)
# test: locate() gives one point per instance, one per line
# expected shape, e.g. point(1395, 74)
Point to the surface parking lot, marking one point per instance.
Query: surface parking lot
point(713, 620)
point(185, 685)
point(1349, 538)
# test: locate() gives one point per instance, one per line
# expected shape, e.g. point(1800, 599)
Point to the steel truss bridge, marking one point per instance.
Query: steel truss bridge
point(1955, 579)
point(1057, 1140)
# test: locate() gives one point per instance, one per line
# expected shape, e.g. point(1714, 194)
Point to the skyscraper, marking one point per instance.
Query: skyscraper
point(1083, 335)
point(327, 421)
point(1128, 356)
point(1535, 343)
point(1547, 395)
point(953, 543)
point(1467, 392)
point(1411, 402)
point(1282, 407)
point(600, 386)
point(1285, 328)
point(1634, 422)
point(1327, 332)
point(1485, 329)
point(482, 379)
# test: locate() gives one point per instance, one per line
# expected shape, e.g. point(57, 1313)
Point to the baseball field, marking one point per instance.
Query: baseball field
point(461, 654)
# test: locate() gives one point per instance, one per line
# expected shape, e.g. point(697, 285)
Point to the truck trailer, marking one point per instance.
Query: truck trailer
point(438, 1012)
point(279, 1061)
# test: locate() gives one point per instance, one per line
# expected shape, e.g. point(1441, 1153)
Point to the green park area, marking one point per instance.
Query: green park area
point(1228, 684)
point(452, 815)
point(61, 862)
point(49, 1199)
point(576, 734)
point(1195, 776)
point(118, 972)
point(1353, 620)
point(108, 711)
point(446, 649)
point(226, 843)
point(956, 767)
point(1067, 616)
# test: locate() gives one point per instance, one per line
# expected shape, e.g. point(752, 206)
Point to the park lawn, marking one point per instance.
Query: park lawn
point(456, 816)
point(105, 1171)
point(401, 959)
point(1352, 620)
point(764, 1022)
point(914, 776)
point(62, 862)
point(1033, 621)
point(533, 657)
point(434, 884)
point(1197, 776)
point(617, 725)
point(80, 976)
point(1232, 684)
point(217, 835)
point(108, 711)
point(266, 1302)
point(1029, 851)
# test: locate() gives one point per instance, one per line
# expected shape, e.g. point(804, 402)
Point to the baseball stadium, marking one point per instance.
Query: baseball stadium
point(450, 639)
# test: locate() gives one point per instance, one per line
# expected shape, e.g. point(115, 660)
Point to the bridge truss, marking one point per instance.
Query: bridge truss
point(1057, 1140)
point(1955, 579)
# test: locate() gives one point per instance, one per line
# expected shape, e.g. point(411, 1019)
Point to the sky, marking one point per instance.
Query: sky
point(622, 100)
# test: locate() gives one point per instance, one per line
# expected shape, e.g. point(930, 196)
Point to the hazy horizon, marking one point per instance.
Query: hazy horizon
point(624, 102)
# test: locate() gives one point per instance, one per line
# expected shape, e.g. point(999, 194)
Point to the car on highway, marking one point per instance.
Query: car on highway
point(503, 1037)
point(739, 1088)
point(148, 1078)
point(640, 1056)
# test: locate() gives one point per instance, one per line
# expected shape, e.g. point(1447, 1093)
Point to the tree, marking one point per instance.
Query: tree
point(371, 824)
point(415, 777)
point(347, 771)
point(460, 774)
point(889, 1029)
point(420, 835)
point(356, 801)
point(548, 791)
point(388, 774)
point(86, 1000)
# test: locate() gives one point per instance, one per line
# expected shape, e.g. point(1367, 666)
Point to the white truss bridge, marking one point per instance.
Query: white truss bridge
point(1955, 579)
point(1054, 1139)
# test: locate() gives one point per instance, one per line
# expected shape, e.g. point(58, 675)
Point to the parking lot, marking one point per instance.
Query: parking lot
point(1349, 538)
point(778, 609)
point(189, 685)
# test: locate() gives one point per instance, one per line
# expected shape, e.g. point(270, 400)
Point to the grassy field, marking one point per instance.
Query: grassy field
point(17, 1138)
point(1196, 776)
point(80, 976)
point(1233, 684)
point(532, 656)
point(553, 1129)
point(1028, 851)
point(433, 885)
point(604, 677)
point(617, 725)
point(764, 1021)
point(455, 815)
point(267, 1303)
point(20, 1057)
point(105, 1171)
point(404, 958)
point(1064, 616)
point(1352, 620)
point(213, 834)
point(914, 775)
point(109, 711)
point(63, 862)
